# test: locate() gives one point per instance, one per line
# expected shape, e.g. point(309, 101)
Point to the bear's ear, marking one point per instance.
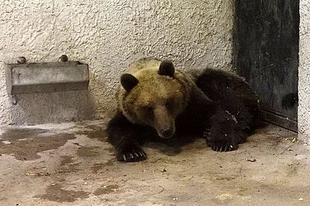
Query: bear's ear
point(166, 68)
point(128, 81)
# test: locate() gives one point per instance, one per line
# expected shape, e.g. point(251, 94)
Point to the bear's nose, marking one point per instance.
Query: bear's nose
point(167, 133)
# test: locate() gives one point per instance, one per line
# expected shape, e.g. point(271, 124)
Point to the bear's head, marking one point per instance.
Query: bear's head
point(155, 96)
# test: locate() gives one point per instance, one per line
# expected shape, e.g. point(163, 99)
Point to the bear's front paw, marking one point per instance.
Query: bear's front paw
point(130, 153)
point(223, 145)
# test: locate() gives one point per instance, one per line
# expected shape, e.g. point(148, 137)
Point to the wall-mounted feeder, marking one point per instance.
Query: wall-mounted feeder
point(46, 77)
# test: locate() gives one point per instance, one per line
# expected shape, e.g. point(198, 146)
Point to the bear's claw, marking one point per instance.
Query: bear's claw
point(130, 153)
point(222, 146)
point(227, 142)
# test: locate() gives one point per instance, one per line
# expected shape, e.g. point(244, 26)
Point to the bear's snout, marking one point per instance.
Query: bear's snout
point(164, 122)
point(167, 133)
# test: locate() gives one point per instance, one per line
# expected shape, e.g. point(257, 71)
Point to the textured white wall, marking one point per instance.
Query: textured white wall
point(107, 35)
point(304, 72)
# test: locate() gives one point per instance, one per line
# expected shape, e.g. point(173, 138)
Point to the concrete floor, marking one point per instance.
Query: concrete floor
point(72, 164)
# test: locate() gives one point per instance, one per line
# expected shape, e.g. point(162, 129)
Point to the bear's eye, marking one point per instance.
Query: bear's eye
point(149, 110)
point(168, 104)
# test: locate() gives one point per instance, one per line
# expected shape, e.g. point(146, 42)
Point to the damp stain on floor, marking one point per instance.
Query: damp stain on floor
point(73, 164)
point(56, 193)
point(25, 144)
point(105, 189)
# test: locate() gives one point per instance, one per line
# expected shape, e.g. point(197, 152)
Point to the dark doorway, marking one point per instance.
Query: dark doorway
point(266, 45)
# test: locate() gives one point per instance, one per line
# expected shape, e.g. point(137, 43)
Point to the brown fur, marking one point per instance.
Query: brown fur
point(153, 98)
point(134, 104)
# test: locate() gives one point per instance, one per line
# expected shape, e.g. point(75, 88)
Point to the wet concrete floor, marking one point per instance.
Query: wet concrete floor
point(73, 164)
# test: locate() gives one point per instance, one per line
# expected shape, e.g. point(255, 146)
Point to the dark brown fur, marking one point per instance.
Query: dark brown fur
point(216, 104)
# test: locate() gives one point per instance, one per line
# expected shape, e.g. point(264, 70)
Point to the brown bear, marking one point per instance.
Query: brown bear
point(155, 100)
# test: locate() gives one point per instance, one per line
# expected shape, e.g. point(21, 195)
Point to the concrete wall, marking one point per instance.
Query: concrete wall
point(107, 35)
point(304, 72)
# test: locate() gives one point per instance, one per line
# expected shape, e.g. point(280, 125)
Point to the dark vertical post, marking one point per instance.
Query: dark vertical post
point(266, 46)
